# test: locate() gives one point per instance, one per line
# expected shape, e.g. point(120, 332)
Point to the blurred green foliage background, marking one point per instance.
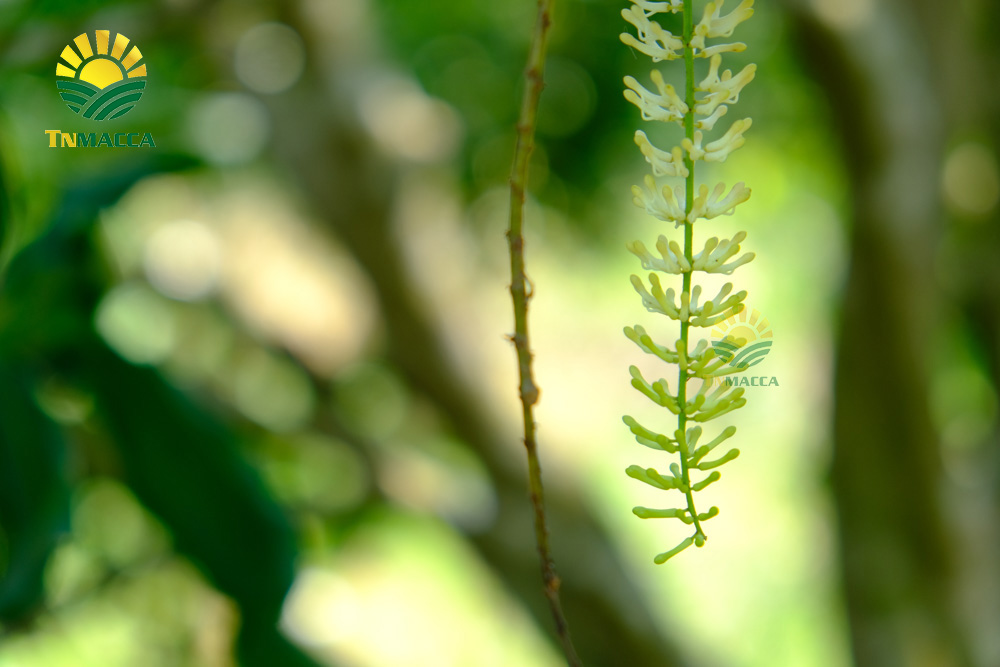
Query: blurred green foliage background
point(256, 406)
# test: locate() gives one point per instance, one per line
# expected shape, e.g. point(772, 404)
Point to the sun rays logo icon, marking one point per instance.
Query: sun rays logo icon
point(742, 340)
point(99, 83)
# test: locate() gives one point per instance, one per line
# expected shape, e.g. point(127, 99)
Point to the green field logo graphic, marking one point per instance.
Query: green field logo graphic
point(101, 78)
point(742, 340)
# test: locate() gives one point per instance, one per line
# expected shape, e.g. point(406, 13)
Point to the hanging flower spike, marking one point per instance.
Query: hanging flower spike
point(704, 102)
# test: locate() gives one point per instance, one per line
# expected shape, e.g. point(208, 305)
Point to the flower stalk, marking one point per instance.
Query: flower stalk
point(703, 104)
point(520, 295)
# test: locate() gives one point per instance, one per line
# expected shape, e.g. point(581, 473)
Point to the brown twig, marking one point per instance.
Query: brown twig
point(533, 84)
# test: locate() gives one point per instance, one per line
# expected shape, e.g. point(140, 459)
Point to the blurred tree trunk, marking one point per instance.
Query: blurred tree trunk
point(972, 269)
point(320, 140)
point(976, 109)
point(897, 563)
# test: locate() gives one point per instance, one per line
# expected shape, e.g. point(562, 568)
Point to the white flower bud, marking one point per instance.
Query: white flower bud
point(651, 304)
point(713, 24)
point(651, 8)
point(653, 40)
point(665, 105)
point(703, 52)
point(638, 335)
point(709, 122)
point(660, 203)
point(712, 259)
point(719, 150)
point(723, 89)
point(662, 162)
point(715, 207)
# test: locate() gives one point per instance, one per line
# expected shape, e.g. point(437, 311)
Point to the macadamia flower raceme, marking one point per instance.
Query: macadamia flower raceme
point(696, 397)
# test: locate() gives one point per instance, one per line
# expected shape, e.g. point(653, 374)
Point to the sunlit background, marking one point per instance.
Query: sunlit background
point(256, 401)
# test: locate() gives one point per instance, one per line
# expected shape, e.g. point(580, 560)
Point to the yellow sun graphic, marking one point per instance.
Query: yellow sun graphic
point(743, 340)
point(100, 78)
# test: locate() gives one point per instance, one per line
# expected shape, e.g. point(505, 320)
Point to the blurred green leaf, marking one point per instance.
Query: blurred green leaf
point(34, 495)
point(187, 468)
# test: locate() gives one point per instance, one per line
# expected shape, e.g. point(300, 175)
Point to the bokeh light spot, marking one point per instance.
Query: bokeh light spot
point(322, 608)
point(970, 180)
point(371, 400)
point(183, 260)
point(270, 58)
point(138, 323)
point(407, 122)
point(109, 522)
point(273, 392)
point(228, 128)
point(844, 14)
point(314, 472)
